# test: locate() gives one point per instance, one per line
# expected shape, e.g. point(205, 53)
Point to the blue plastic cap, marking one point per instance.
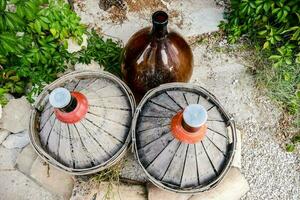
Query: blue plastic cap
point(195, 115)
point(60, 97)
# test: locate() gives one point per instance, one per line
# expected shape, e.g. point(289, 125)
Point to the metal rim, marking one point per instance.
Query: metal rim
point(229, 120)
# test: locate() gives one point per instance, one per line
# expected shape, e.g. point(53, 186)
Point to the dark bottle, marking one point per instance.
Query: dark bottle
point(156, 55)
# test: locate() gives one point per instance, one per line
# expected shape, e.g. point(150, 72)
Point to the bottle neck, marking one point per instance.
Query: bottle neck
point(159, 31)
point(71, 105)
point(160, 22)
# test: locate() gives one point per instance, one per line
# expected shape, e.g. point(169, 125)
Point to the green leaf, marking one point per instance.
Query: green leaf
point(53, 31)
point(267, 6)
point(2, 23)
point(2, 5)
point(262, 32)
point(14, 21)
point(296, 35)
point(275, 57)
point(266, 45)
point(37, 26)
point(290, 147)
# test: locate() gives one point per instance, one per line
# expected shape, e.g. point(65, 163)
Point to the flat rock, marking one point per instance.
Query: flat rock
point(131, 170)
point(155, 193)
point(233, 187)
point(0, 111)
point(25, 159)
point(94, 66)
point(52, 179)
point(8, 158)
point(16, 115)
point(3, 135)
point(16, 186)
point(17, 140)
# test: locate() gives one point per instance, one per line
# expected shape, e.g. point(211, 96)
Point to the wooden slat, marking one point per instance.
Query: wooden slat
point(92, 146)
point(114, 103)
point(92, 86)
point(121, 116)
point(150, 151)
point(165, 101)
point(174, 173)
point(214, 114)
point(205, 168)
point(177, 96)
point(110, 91)
point(146, 123)
point(158, 110)
point(81, 156)
point(146, 137)
point(160, 165)
point(218, 127)
point(217, 158)
point(54, 139)
point(46, 129)
point(191, 98)
point(45, 116)
point(84, 84)
point(108, 143)
point(64, 147)
point(71, 85)
point(117, 130)
point(205, 103)
point(190, 176)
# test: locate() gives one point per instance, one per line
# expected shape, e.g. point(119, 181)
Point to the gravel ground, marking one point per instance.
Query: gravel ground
point(271, 172)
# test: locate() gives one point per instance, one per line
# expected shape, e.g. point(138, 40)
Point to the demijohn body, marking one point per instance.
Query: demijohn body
point(156, 55)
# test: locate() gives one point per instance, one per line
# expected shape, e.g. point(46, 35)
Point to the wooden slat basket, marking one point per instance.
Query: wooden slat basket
point(169, 163)
point(96, 142)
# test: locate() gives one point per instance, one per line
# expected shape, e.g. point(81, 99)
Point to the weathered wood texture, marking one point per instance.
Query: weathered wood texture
point(99, 136)
point(169, 162)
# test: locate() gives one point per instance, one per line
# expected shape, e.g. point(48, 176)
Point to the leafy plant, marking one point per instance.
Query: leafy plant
point(106, 52)
point(274, 28)
point(33, 42)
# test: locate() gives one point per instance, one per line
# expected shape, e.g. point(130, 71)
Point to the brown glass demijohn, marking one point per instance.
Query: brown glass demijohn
point(156, 55)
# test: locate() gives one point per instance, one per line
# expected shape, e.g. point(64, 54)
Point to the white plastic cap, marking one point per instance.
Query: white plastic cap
point(195, 115)
point(60, 97)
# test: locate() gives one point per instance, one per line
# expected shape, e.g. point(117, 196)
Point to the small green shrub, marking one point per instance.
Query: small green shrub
point(274, 26)
point(33, 42)
point(106, 52)
point(33, 45)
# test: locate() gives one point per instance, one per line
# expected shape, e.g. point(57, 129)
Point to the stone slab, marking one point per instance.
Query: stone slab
point(52, 179)
point(26, 159)
point(16, 186)
point(16, 115)
point(17, 140)
point(8, 158)
point(155, 193)
point(3, 135)
point(233, 187)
